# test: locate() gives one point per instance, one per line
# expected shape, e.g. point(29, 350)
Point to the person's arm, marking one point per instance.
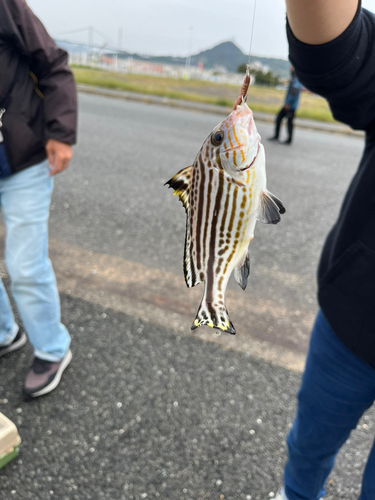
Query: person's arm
point(320, 21)
point(55, 79)
point(331, 46)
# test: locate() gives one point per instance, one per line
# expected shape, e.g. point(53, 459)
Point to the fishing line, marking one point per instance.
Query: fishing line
point(251, 37)
point(246, 82)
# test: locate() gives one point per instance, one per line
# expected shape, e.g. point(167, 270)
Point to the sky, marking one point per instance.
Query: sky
point(170, 27)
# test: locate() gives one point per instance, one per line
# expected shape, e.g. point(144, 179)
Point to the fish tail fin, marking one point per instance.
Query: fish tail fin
point(214, 316)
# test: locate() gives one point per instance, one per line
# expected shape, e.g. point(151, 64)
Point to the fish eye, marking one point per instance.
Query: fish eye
point(217, 138)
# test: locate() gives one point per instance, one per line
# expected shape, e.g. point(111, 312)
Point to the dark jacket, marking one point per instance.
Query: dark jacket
point(42, 104)
point(343, 71)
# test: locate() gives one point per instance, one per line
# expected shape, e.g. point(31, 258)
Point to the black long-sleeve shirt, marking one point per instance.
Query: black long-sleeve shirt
point(343, 71)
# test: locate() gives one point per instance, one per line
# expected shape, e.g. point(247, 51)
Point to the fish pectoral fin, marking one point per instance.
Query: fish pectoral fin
point(279, 203)
point(242, 271)
point(181, 185)
point(213, 316)
point(270, 208)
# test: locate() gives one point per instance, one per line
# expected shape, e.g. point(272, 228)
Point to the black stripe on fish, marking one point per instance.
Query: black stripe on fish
point(207, 216)
point(200, 204)
point(212, 244)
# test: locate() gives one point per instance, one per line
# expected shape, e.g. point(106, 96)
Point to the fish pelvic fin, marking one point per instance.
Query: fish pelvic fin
point(181, 184)
point(242, 271)
point(270, 208)
point(213, 316)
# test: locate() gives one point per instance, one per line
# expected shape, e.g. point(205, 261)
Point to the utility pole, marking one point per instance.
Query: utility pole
point(91, 43)
point(188, 59)
point(119, 41)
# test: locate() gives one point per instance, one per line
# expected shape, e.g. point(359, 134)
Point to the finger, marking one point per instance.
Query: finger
point(51, 158)
point(60, 165)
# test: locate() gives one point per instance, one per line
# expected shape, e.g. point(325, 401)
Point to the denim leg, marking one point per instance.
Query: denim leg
point(25, 199)
point(278, 121)
point(8, 329)
point(290, 116)
point(368, 482)
point(337, 387)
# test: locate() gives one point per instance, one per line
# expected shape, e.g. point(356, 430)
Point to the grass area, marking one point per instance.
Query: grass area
point(261, 99)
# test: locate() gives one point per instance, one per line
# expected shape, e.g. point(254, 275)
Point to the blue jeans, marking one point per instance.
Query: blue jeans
point(25, 199)
point(337, 387)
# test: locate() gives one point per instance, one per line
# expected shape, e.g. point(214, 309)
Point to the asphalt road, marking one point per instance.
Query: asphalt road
point(146, 409)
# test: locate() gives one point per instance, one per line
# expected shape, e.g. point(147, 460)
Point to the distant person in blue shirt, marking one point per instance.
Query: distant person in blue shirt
point(289, 108)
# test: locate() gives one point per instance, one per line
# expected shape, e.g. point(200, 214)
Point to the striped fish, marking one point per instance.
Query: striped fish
point(224, 194)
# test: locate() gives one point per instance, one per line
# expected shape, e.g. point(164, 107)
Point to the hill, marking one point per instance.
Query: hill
point(226, 56)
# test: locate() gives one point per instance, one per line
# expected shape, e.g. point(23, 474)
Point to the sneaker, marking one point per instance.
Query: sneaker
point(17, 343)
point(274, 138)
point(44, 376)
point(280, 495)
point(288, 142)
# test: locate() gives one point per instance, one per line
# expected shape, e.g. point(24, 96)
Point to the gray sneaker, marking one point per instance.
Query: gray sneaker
point(44, 376)
point(18, 342)
point(281, 495)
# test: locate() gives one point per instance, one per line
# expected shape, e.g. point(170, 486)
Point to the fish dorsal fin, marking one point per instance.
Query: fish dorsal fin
point(242, 271)
point(270, 208)
point(181, 185)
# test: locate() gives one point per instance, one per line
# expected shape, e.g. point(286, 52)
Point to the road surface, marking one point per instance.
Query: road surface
point(148, 409)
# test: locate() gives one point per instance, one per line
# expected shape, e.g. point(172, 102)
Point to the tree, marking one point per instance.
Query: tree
point(241, 68)
point(261, 77)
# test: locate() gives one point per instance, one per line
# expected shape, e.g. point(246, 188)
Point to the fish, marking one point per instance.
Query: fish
point(224, 194)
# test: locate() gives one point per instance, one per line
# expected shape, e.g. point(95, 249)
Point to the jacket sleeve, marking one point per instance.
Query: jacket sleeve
point(49, 64)
point(342, 70)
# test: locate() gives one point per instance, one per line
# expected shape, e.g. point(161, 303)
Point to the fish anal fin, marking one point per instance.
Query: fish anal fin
point(213, 316)
point(270, 208)
point(190, 267)
point(242, 271)
point(181, 185)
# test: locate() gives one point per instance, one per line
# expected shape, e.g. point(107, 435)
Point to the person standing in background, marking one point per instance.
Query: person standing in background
point(290, 106)
point(38, 120)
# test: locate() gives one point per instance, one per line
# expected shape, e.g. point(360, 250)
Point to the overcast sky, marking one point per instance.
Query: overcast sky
point(171, 27)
